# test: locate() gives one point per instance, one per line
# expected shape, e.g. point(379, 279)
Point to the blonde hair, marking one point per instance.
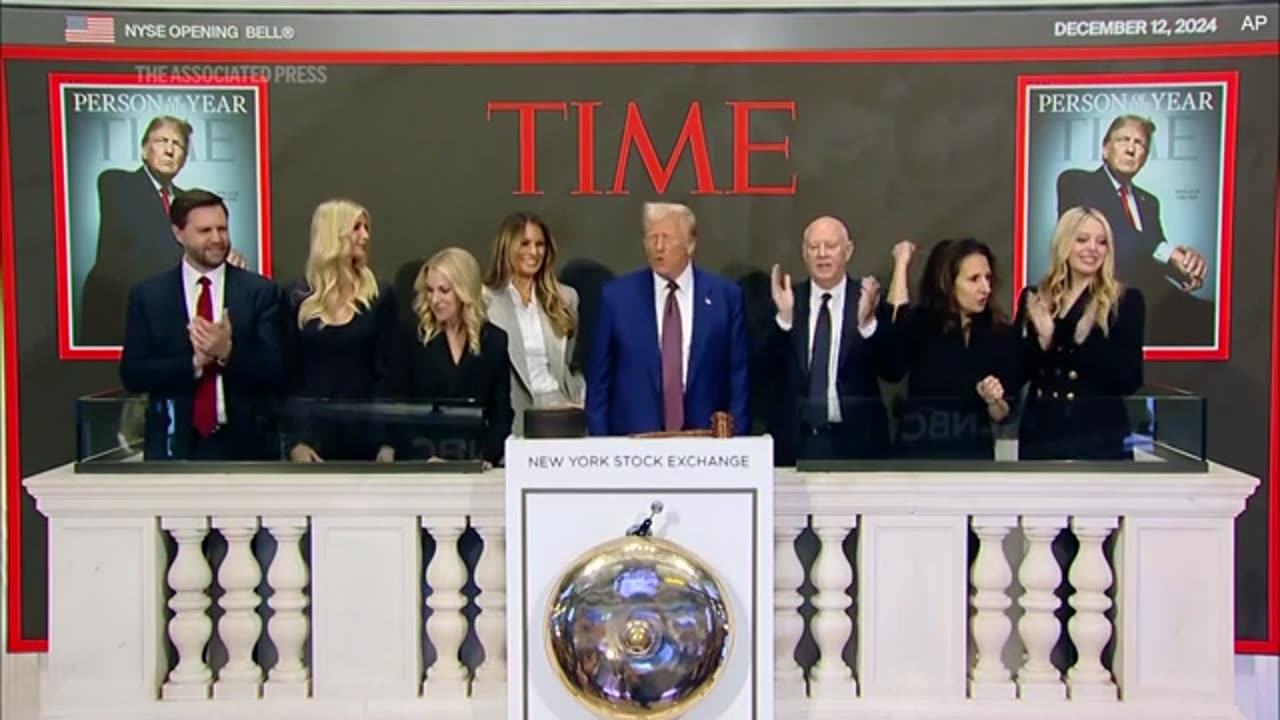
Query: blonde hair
point(331, 269)
point(1104, 291)
point(656, 212)
point(502, 264)
point(462, 271)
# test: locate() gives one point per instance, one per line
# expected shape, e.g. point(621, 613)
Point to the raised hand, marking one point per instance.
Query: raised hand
point(868, 300)
point(1085, 326)
point(1041, 319)
point(783, 298)
point(903, 251)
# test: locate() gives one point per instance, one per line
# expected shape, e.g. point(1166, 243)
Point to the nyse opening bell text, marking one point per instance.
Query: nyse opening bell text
point(275, 74)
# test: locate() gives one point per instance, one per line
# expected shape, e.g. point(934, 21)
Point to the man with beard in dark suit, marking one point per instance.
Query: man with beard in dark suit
point(135, 240)
point(203, 341)
point(1166, 274)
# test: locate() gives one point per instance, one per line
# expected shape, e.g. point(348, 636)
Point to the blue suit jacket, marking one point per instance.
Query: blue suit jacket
point(624, 377)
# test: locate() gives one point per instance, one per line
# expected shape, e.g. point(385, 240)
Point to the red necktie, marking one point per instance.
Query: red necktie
point(205, 415)
point(164, 198)
point(1124, 203)
point(672, 352)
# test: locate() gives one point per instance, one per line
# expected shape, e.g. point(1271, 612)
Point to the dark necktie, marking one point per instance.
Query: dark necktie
point(672, 350)
point(820, 365)
point(205, 410)
point(1124, 203)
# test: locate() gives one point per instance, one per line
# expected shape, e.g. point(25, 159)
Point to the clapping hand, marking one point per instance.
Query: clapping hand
point(1041, 318)
point(1085, 326)
point(783, 298)
point(211, 339)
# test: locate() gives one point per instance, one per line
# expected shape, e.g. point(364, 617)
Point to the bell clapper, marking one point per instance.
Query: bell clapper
point(645, 528)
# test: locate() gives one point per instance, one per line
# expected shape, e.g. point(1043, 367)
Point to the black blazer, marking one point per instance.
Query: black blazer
point(135, 241)
point(942, 416)
point(861, 362)
point(157, 361)
point(1075, 408)
point(427, 372)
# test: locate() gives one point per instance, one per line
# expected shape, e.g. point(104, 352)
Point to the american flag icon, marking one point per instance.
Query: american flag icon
point(90, 29)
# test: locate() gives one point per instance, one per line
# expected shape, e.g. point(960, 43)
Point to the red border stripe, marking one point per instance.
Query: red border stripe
point(639, 57)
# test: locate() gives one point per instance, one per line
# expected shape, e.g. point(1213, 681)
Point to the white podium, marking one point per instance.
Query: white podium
point(566, 496)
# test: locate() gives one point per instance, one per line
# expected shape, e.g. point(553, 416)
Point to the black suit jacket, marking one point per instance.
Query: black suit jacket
point(135, 241)
point(861, 362)
point(1177, 318)
point(157, 361)
point(427, 373)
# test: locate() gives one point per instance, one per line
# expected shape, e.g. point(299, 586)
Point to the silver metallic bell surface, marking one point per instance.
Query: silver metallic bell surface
point(638, 628)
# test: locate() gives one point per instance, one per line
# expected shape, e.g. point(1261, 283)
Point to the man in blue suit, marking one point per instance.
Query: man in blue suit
point(670, 345)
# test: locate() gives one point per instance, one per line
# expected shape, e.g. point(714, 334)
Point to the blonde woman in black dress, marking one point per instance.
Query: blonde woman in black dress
point(339, 332)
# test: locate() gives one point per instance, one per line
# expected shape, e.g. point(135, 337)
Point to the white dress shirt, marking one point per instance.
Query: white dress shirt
point(1163, 250)
point(836, 307)
point(191, 289)
point(535, 343)
point(684, 299)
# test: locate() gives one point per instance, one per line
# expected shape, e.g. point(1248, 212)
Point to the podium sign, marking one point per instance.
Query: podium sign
point(565, 497)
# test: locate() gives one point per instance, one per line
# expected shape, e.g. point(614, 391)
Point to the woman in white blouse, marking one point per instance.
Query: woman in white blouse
point(539, 315)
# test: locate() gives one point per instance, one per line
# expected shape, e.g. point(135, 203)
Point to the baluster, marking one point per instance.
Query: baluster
point(1038, 627)
point(288, 626)
point(991, 627)
point(491, 624)
point(788, 623)
point(832, 574)
point(447, 626)
point(240, 626)
point(1089, 628)
point(190, 628)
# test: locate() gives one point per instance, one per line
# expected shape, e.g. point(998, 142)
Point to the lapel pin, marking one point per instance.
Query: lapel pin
point(708, 300)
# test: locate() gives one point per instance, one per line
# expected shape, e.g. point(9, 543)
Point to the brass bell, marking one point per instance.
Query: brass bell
point(638, 628)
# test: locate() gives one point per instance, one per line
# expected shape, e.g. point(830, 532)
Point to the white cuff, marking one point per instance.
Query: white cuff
point(786, 326)
point(1162, 252)
point(869, 329)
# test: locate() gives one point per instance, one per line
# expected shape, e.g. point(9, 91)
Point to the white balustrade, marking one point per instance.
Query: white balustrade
point(1089, 628)
point(491, 624)
point(788, 623)
point(289, 625)
point(1172, 569)
point(832, 679)
point(190, 628)
point(1039, 628)
point(447, 627)
point(239, 626)
point(990, 625)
